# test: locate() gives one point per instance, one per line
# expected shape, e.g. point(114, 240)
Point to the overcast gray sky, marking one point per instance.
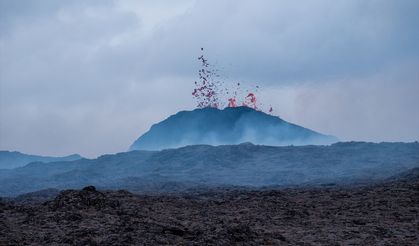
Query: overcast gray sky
point(89, 77)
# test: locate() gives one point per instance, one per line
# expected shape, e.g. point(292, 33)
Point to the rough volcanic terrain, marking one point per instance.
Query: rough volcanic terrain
point(377, 214)
point(246, 164)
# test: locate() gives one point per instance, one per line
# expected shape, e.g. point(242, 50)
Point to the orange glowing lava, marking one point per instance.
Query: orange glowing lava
point(212, 91)
point(232, 102)
point(250, 101)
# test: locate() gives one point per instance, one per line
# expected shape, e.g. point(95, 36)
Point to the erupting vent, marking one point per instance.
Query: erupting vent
point(211, 91)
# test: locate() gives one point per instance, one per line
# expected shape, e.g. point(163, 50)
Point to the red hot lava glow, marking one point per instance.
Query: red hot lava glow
point(232, 102)
point(209, 90)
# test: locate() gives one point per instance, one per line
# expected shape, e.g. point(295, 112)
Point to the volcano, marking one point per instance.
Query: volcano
point(232, 125)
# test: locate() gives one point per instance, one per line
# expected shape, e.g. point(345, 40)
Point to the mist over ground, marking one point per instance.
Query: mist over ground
point(9, 159)
point(232, 125)
point(204, 166)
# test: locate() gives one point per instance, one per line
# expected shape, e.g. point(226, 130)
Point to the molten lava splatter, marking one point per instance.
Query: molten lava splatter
point(232, 102)
point(210, 91)
point(207, 87)
point(250, 101)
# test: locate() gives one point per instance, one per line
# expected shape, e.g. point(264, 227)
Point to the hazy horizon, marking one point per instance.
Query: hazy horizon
point(90, 77)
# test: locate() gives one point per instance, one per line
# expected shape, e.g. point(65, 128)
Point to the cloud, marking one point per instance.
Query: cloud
point(90, 76)
point(375, 108)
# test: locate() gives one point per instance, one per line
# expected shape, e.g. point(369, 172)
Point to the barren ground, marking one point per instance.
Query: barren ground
point(384, 214)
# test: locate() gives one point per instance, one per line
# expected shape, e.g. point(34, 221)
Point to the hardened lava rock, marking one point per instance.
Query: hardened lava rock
point(378, 214)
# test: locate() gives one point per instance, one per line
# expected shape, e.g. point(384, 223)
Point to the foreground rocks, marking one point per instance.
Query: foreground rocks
point(385, 214)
